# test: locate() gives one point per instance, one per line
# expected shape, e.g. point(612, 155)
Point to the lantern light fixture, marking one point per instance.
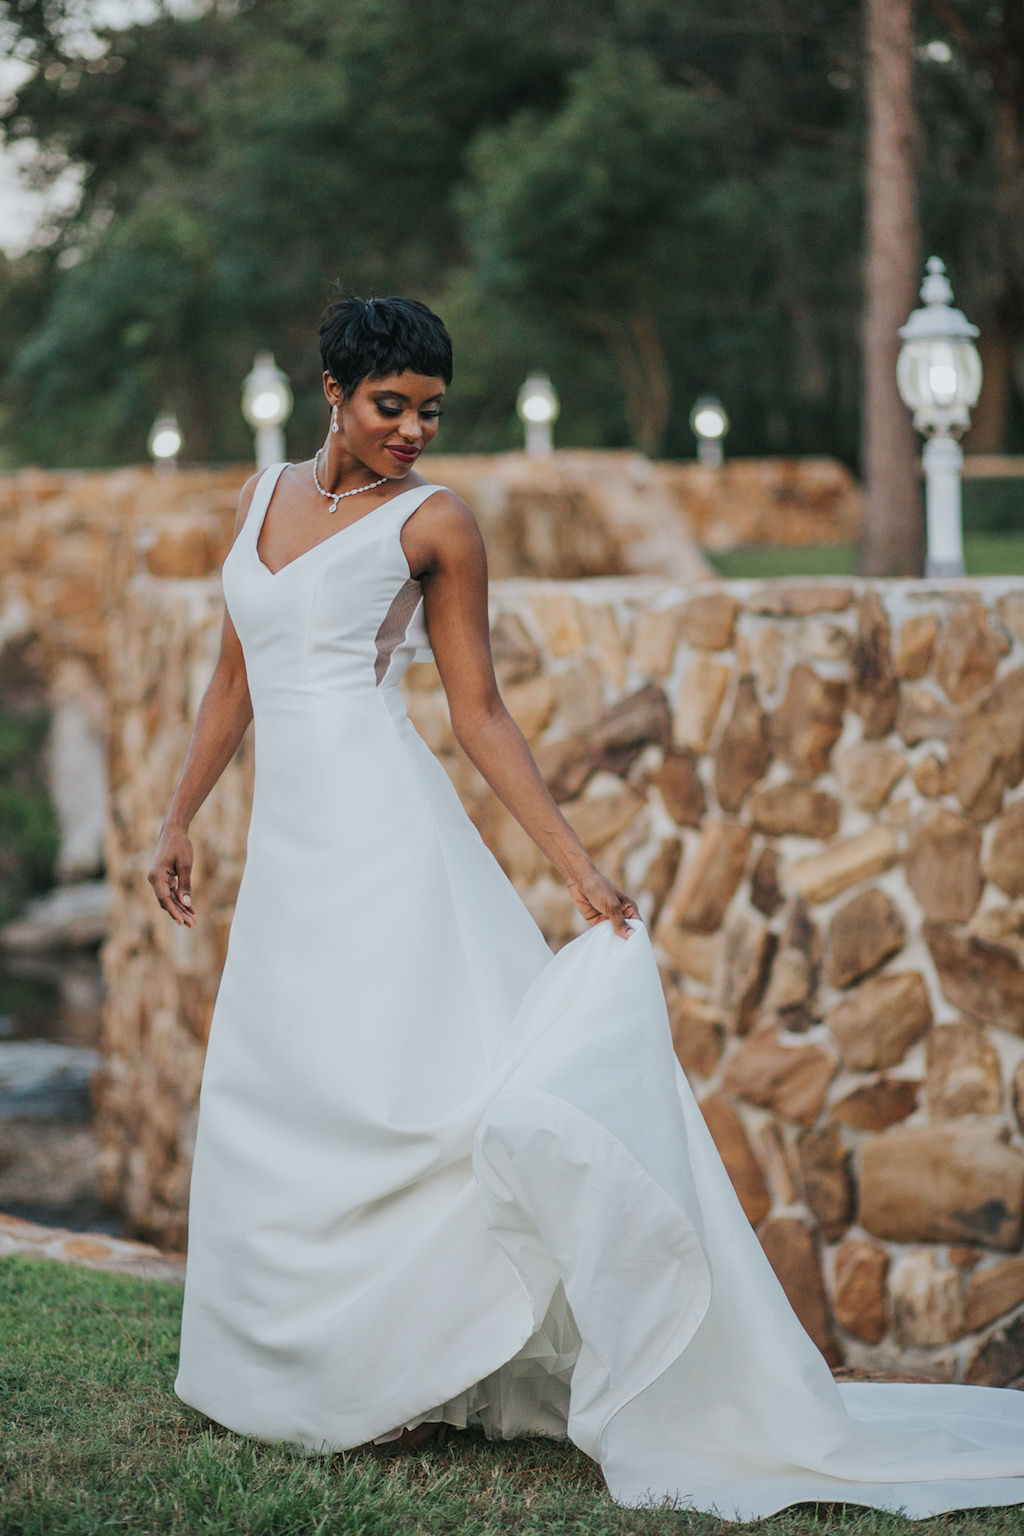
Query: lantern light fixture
point(266, 406)
point(939, 375)
point(164, 443)
point(709, 422)
point(537, 406)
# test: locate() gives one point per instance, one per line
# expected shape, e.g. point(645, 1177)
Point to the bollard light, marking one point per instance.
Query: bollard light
point(938, 375)
point(709, 423)
point(164, 443)
point(537, 406)
point(266, 406)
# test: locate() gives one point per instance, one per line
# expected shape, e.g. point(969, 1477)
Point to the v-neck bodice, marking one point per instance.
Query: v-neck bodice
point(272, 477)
point(344, 616)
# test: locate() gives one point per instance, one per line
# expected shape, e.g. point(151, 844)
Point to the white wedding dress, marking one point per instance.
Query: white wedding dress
point(441, 1173)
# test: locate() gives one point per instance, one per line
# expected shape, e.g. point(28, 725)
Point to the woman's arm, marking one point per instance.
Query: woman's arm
point(449, 552)
point(221, 721)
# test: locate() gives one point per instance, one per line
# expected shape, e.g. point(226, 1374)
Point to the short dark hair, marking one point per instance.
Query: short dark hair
point(371, 338)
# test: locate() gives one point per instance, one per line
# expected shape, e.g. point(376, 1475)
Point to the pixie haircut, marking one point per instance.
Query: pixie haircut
point(371, 338)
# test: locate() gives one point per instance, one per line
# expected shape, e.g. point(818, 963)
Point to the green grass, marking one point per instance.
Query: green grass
point(994, 554)
point(768, 561)
point(985, 554)
point(93, 1441)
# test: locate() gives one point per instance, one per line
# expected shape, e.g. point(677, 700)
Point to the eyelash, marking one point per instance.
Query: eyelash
point(390, 410)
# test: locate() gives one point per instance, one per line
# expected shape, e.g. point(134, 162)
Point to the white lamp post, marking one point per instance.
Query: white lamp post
point(164, 444)
point(537, 406)
point(266, 406)
point(709, 423)
point(939, 378)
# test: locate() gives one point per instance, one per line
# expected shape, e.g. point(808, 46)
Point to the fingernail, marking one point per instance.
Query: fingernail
point(186, 900)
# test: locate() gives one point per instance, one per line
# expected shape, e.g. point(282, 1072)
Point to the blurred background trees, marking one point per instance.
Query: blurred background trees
point(646, 198)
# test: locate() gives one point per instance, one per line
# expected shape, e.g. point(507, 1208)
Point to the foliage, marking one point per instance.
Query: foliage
point(543, 210)
point(29, 838)
point(95, 1440)
point(648, 198)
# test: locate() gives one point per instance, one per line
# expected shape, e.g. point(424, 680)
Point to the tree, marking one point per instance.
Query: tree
point(588, 215)
point(649, 199)
point(971, 76)
point(893, 540)
point(266, 140)
point(300, 143)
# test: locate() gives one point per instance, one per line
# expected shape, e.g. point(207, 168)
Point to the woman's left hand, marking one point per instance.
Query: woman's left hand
point(598, 899)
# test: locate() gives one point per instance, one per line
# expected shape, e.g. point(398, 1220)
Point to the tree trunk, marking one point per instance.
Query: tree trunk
point(639, 356)
point(1000, 337)
point(997, 345)
point(893, 541)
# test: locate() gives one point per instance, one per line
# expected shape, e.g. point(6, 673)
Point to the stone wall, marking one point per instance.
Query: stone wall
point(814, 793)
point(68, 545)
point(70, 541)
point(766, 501)
point(587, 513)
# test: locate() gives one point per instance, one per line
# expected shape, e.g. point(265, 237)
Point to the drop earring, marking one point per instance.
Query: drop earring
point(334, 418)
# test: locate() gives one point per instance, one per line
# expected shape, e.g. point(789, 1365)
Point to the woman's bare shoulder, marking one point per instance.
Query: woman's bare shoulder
point(449, 515)
point(443, 528)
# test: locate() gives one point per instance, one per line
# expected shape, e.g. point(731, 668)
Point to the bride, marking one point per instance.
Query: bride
point(441, 1175)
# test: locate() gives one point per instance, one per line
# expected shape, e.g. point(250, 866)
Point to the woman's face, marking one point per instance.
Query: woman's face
point(388, 422)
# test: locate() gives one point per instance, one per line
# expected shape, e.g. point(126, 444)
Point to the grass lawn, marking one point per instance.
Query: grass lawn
point(985, 554)
point(93, 1440)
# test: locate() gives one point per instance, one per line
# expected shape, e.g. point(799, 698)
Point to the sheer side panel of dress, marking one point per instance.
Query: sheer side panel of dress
point(394, 625)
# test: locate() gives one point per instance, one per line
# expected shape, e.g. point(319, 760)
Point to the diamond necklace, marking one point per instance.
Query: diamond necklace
point(335, 496)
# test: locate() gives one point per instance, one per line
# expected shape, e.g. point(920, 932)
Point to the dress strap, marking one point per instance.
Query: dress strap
point(408, 501)
point(261, 499)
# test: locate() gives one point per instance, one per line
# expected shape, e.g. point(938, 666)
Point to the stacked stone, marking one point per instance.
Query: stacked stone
point(766, 501)
point(94, 1250)
point(161, 979)
point(68, 545)
point(810, 792)
point(813, 792)
point(586, 513)
point(70, 541)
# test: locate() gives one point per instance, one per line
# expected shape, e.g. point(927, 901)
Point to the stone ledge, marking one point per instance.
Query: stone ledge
point(94, 1250)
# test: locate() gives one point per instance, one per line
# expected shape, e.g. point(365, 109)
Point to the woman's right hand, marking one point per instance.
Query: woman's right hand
point(171, 875)
point(599, 900)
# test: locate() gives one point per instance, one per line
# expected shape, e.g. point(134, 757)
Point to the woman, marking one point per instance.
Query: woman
point(440, 1175)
